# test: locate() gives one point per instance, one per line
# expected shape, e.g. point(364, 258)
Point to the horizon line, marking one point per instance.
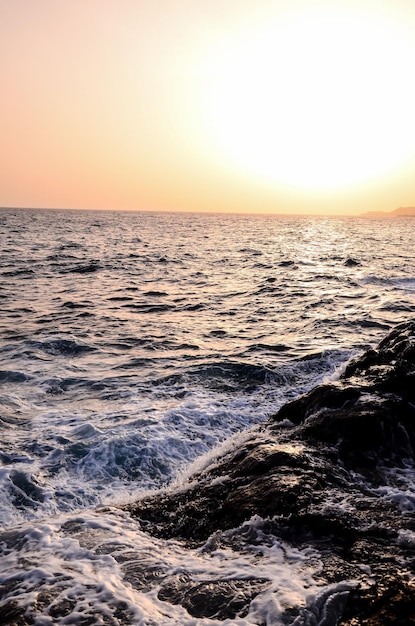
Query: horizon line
point(199, 212)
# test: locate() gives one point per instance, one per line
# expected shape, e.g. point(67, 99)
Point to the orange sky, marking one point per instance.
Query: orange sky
point(208, 105)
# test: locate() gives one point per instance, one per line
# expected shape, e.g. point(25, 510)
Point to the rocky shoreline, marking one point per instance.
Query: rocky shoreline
point(317, 504)
point(320, 473)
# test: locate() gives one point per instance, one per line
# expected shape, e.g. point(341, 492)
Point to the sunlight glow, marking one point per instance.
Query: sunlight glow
point(316, 100)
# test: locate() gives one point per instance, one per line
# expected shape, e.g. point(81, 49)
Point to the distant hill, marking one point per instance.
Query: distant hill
point(405, 210)
point(402, 211)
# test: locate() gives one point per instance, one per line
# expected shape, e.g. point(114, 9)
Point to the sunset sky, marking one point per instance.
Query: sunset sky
point(208, 105)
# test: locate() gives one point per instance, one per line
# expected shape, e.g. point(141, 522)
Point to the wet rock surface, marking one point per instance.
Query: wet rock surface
point(321, 473)
point(222, 599)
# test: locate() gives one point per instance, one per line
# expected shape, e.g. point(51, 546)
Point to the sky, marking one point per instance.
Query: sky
point(258, 106)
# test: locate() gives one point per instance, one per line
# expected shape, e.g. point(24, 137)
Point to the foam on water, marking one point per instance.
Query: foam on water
point(90, 449)
point(400, 488)
point(102, 564)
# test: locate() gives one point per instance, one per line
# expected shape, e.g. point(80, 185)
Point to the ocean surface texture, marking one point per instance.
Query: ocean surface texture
point(137, 347)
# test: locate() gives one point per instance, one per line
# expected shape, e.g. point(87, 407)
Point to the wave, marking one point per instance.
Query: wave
point(25, 491)
point(266, 347)
point(150, 308)
point(70, 304)
point(19, 273)
point(89, 267)
point(236, 376)
point(10, 376)
point(407, 284)
point(62, 347)
point(155, 294)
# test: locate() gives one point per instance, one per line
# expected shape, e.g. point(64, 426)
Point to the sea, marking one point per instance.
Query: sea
point(137, 346)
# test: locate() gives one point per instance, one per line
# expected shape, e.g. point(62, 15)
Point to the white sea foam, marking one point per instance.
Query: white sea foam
point(400, 488)
point(79, 559)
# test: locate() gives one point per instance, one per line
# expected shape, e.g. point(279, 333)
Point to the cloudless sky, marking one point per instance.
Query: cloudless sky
point(208, 105)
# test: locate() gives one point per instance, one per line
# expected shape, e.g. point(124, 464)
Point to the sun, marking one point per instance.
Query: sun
point(313, 99)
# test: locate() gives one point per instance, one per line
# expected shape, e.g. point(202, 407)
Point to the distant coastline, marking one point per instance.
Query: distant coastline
point(403, 211)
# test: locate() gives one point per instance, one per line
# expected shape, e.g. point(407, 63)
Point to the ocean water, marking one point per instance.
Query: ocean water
point(134, 347)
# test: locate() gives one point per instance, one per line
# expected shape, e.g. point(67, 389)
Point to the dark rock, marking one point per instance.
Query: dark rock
point(11, 614)
point(368, 416)
point(332, 396)
point(265, 477)
point(390, 601)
